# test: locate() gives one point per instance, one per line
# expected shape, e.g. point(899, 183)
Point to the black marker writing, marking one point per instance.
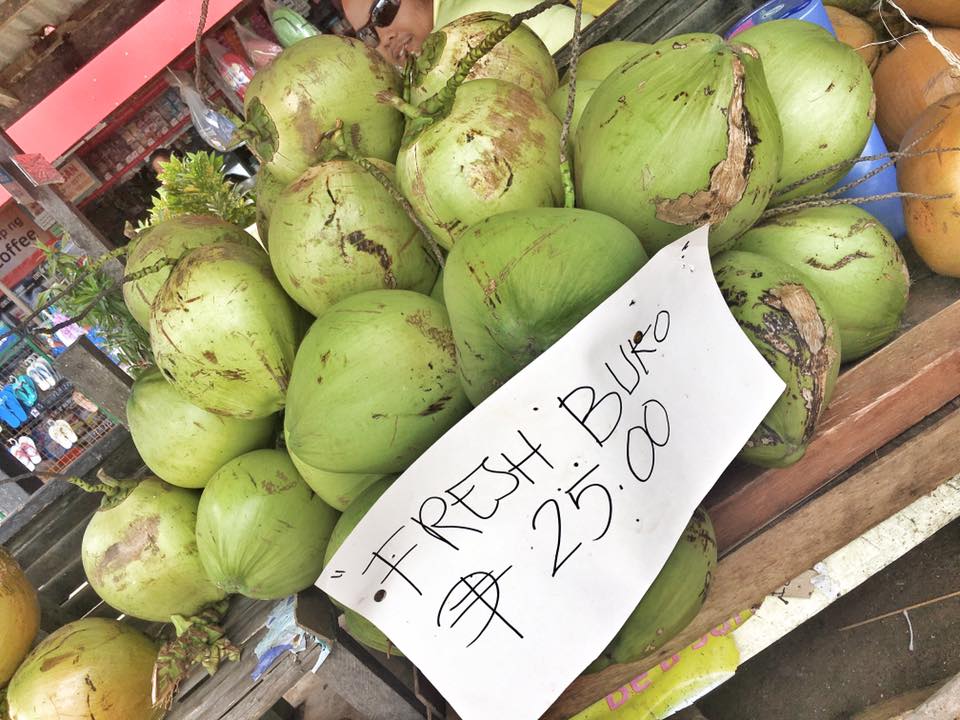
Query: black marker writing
point(394, 566)
point(432, 527)
point(644, 439)
point(469, 492)
point(478, 587)
point(576, 493)
point(603, 422)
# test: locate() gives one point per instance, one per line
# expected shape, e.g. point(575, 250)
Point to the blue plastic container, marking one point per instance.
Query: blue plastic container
point(889, 212)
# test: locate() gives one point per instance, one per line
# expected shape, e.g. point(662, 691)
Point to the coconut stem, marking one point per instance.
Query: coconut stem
point(407, 108)
point(338, 137)
point(114, 491)
point(409, 73)
point(566, 173)
point(150, 269)
point(438, 106)
point(200, 640)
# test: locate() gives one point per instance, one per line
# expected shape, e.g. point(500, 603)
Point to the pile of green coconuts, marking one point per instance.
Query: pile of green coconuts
point(297, 376)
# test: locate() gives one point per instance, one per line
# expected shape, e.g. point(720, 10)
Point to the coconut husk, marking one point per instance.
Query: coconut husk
point(857, 33)
point(857, 7)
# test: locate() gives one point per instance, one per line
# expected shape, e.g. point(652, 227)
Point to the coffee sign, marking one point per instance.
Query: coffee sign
point(19, 235)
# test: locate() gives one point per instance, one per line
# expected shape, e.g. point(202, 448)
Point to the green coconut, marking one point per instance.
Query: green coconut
point(558, 104)
point(374, 384)
point(793, 327)
point(91, 668)
point(184, 444)
point(672, 601)
point(265, 193)
point(337, 232)
point(515, 283)
point(337, 490)
point(291, 104)
point(358, 626)
point(170, 239)
point(141, 555)
point(823, 91)
point(597, 62)
point(261, 530)
point(224, 332)
point(852, 259)
point(593, 67)
point(497, 150)
point(521, 58)
point(681, 135)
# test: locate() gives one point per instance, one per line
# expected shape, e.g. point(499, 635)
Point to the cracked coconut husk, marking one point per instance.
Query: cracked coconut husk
point(730, 177)
point(200, 640)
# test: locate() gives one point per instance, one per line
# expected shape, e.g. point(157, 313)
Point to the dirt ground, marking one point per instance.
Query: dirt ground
point(820, 673)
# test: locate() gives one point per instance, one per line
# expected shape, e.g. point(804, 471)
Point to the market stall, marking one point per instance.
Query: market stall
point(882, 444)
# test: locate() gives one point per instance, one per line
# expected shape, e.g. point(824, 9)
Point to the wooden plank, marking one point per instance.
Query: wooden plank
point(367, 686)
point(16, 530)
point(78, 22)
point(822, 526)
point(59, 571)
point(8, 99)
point(874, 402)
point(9, 10)
point(76, 509)
point(81, 604)
point(216, 696)
point(60, 552)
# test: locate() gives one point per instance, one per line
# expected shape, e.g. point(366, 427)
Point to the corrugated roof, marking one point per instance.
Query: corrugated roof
point(20, 20)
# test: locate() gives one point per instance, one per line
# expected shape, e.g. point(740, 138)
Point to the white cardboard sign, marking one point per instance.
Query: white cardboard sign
point(506, 558)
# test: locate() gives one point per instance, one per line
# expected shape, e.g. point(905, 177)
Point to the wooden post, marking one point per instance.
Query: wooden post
point(95, 375)
point(15, 299)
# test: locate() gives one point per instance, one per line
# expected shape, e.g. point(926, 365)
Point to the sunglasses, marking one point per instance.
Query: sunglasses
point(382, 14)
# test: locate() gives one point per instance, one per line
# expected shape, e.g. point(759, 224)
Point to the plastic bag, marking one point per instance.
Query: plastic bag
point(260, 50)
point(215, 128)
point(235, 70)
point(288, 25)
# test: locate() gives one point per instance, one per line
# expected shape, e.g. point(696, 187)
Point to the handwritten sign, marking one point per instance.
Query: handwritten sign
point(505, 559)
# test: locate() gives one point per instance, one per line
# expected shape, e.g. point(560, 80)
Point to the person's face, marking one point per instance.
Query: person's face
point(404, 36)
point(157, 162)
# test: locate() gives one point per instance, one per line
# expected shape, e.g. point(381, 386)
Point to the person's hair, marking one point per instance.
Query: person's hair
point(159, 154)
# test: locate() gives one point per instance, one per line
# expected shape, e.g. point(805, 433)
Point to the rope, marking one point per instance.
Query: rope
point(830, 202)
point(338, 136)
point(569, 192)
point(951, 57)
point(197, 56)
